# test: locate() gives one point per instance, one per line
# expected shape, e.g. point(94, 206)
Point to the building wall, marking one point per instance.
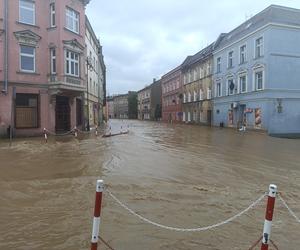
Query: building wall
point(279, 100)
point(155, 101)
point(144, 104)
point(95, 74)
point(121, 107)
point(198, 84)
point(40, 82)
point(172, 96)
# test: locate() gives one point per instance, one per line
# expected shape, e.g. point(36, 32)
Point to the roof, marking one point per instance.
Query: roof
point(272, 14)
point(171, 72)
point(201, 55)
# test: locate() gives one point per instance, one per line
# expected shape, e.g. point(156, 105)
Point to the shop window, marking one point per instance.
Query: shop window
point(26, 115)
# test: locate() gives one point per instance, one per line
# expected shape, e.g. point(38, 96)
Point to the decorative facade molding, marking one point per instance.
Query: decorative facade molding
point(73, 45)
point(27, 37)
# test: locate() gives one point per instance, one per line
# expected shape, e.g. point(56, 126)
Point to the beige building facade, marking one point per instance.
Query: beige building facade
point(197, 87)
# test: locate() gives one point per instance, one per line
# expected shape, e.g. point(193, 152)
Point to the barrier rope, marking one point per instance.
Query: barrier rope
point(105, 243)
point(63, 134)
point(289, 209)
point(256, 243)
point(254, 204)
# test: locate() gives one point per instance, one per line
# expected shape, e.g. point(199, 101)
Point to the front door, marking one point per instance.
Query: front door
point(62, 114)
point(209, 117)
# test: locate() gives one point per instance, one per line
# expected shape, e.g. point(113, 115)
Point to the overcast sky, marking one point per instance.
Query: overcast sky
point(144, 39)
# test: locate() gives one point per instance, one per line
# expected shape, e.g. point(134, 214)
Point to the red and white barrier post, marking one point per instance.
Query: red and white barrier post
point(75, 132)
point(45, 135)
point(97, 212)
point(269, 217)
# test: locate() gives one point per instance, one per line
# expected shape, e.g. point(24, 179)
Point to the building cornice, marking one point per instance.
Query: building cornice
point(255, 31)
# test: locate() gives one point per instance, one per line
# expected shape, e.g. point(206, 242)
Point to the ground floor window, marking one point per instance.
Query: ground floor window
point(183, 116)
point(26, 111)
point(189, 116)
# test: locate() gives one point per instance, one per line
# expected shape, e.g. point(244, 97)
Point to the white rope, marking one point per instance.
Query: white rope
point(55, 134)
point(187, 229)
point(289, 209)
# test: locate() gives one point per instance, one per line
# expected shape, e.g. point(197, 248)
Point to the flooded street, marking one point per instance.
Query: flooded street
point(177, 175)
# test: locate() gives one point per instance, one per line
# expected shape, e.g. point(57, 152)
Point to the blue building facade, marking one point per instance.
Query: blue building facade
point(256, 80)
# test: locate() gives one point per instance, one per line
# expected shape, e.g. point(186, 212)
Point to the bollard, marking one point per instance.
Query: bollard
point(110, 130)
point(45, 135)
point(96, 132)
point(269, 217)
point(97, 212)
point(75, 132)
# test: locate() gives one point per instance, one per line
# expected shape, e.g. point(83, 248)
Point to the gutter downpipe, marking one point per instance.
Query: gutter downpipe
point(5, 84)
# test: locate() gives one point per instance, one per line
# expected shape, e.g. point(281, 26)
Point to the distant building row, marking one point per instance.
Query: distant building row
point(247, 77)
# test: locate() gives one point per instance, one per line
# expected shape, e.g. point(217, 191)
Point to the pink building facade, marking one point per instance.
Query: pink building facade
point(42, 72)
point(172, 96)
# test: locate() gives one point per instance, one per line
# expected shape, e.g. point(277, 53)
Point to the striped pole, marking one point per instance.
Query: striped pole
point(75, 132)
point(269, 217)
point(45, 135)
point(97, 212)
point(96, 132)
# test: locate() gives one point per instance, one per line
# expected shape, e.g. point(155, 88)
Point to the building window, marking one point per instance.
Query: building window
point(52, 15)
point(27, 58)
point(230, 59)
point(243, 54)
point(184, 98)
point(218, 64)
point(27, 12)
point(259, 47)
point(219, 89)
point(230, 87)
point(201, 95)
point(53, 60)
point(208, 93)
point(26, 115)
point(72, 63)
point(243, 83)
point(258, 80)
point(195, 96)
point(189, 97)
point(189, 116)
point(72, 20)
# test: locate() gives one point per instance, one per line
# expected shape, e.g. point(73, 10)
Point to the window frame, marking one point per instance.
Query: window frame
point(230, 59)
point(245, 54)
point(52, 59)
point(246, 83)
point(33, 9)
point(70, 63)
point(261, 46)
point(77, 15)
point(219, 64)
point(27, 55)
point(262, 71)
point(218, 89)
point(52, 15)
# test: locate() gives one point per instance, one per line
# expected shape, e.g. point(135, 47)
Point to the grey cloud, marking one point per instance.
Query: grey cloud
point(147, 38)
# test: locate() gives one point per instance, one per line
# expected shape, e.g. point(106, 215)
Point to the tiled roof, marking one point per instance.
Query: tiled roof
point(203, 54)
point(272, 14)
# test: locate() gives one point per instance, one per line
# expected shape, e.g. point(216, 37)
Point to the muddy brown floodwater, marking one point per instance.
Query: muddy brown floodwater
point(181, 176)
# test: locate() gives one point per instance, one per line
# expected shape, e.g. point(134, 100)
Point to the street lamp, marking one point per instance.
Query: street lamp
point(89, 66)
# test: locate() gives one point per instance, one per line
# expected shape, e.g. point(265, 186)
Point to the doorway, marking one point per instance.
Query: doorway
point(62, 114)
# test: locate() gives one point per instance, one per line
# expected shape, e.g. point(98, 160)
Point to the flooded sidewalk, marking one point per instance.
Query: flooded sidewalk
point(177, 175)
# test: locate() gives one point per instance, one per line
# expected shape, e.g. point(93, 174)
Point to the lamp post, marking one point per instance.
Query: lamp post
point(89, 66)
